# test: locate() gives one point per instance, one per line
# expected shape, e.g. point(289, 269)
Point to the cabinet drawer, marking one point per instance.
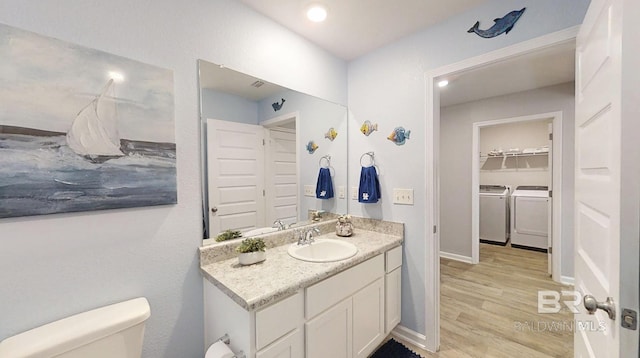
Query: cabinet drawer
point(279, 319)
point(393, 259)
point(336, 288)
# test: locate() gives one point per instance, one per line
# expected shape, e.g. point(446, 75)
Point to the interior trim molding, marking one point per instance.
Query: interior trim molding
point(456, 257)
point(568, 280)
point(432, 167)
point(411, 336)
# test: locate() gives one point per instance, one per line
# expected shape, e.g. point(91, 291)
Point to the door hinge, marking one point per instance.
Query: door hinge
point(264, 192)
point(435, 229)
point(550, 136)
point(551, 193)
point(550, 250)
point(629, 319)
point(263, 142)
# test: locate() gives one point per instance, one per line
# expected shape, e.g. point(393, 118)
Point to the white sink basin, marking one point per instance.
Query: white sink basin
point(259, 231)
point(323, 250)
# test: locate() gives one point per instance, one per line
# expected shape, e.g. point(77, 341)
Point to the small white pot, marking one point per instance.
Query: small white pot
point(249, 258)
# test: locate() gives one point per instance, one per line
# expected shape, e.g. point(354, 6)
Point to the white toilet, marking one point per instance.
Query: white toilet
point(108, 332)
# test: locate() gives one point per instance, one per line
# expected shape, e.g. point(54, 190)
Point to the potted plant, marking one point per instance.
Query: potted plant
point(228, 235)
point(251, 251)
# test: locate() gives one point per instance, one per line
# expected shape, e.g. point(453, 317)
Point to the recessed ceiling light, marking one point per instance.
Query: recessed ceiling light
point(443, 83)
point(317, 13)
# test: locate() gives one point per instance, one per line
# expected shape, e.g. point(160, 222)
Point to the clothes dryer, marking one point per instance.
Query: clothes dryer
point(530, 217)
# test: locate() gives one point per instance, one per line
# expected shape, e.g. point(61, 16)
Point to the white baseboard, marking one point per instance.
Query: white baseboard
point(413, 337)
point(567, 280)
point(456, 257)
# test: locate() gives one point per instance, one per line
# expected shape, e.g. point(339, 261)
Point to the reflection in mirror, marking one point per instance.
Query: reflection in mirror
point(256, 166)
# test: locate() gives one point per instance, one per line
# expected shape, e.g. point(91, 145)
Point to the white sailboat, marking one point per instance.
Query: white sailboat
point(94, 132)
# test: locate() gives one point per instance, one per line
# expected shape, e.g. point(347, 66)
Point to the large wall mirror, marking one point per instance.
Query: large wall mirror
point(263, 147)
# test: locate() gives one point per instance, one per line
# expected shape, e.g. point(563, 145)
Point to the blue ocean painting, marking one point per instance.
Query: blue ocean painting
point(81, 129)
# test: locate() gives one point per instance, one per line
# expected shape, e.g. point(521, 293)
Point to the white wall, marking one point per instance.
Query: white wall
point(228, 107)
point(387, 86)
point(54, 266)
point(456, 124)
point(513, 171)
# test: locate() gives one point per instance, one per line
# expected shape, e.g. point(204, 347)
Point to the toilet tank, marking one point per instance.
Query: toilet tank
point(113, 331)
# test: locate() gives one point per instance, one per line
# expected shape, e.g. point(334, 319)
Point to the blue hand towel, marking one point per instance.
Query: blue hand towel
point(369, 191)
point(324, 187)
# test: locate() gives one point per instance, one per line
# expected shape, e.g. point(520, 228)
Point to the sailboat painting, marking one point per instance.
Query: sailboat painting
point(81, 129)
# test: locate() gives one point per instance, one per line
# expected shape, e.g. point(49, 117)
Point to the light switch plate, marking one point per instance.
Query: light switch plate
point(403, 196)
point(309, 190)
point(341, 192)
point(354, 193)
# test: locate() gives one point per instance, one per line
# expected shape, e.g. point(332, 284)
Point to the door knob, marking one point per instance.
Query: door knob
point(592, 306)
point(214, 209)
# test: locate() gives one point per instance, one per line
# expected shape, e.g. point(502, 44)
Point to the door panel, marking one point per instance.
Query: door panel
point(597, 189)
point(235, 175)
point(281, 178)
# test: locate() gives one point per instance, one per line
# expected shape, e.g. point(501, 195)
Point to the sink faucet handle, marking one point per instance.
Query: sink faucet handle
point(279, 224)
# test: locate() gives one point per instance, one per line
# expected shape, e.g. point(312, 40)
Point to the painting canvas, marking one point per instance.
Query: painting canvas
point(81, 129)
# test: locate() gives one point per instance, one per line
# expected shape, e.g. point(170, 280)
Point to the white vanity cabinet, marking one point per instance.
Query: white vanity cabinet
point(345, 312)
point(344, 316)
point(276, 330)
point(393, 288)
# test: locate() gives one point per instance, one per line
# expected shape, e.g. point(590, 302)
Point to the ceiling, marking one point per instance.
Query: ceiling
point(356, 27)
point(538, 69)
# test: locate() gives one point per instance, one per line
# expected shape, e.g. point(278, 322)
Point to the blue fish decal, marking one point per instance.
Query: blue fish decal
point(311, 147)
point(501, 25)
point(399, 135)
point(278, 105)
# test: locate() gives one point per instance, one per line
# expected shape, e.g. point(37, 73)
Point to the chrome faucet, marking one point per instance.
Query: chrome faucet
point(306, 236)
point(279, 224)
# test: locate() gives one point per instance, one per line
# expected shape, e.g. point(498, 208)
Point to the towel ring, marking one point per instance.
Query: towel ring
point(328, 159)
point(371, 156)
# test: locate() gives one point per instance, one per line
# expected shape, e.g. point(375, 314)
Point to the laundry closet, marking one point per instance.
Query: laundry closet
point(515, 177)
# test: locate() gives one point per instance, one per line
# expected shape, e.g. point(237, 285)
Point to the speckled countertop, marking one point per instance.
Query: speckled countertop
point(280, 275)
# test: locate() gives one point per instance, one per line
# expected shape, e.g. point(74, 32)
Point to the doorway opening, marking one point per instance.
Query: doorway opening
point(434, 161)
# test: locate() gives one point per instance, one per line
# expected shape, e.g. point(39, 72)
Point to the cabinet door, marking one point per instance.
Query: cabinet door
point(368, 318)
point(289, 346)
point(392, 298)
point(330, 333)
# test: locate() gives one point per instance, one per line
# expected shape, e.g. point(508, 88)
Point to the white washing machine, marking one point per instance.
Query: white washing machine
point(530, 218)
point(494, 214)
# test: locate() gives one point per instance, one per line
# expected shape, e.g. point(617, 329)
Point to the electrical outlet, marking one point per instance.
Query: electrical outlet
point(354, 193)
point(309, 190)
point(341, 192)
point(403, 196)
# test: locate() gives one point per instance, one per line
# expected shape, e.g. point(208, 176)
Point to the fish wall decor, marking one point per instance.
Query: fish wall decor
point(331, 134)
point(278, 105)
point(311, 147)
point(501, 25)
point(399, 135)
point(368, 128)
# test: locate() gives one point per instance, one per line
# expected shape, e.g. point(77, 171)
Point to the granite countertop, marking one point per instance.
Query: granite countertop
point(280, 275)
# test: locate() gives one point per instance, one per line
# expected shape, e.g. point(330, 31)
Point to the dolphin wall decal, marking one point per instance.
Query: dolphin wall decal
point(501, 25)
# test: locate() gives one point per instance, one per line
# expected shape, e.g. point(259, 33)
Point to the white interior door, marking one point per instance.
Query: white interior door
point(598, 182)
point(550, 203)
point(281, 176)
point(235, 157)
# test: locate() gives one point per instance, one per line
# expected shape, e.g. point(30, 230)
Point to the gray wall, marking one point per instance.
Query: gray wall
point(387, 86)
point(456, 124)
point(54, 266)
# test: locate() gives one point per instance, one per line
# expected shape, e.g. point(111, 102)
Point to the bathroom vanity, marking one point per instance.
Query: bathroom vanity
point(286, 307)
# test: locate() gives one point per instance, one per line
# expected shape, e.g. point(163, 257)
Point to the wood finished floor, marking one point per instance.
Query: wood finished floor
point(491, 310)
